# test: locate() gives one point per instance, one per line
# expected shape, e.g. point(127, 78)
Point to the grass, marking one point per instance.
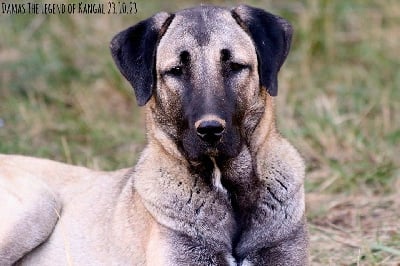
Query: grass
point(61, 97)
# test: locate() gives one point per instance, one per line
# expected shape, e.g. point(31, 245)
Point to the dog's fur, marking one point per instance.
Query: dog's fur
point(235, 198)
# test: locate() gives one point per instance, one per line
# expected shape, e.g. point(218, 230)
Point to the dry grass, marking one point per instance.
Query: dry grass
point(61, 97)
point(354, 230)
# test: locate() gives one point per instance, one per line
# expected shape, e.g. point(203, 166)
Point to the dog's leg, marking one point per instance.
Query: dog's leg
point(291, 252)
point(29, 211)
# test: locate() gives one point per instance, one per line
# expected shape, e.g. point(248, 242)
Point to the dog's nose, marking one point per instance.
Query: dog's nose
point(210, 130)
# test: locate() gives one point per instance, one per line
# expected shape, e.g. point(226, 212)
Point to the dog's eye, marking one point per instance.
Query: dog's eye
point(175, 71)
point(237, 67)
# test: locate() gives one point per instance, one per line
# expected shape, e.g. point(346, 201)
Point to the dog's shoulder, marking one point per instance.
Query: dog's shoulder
point(280, 161)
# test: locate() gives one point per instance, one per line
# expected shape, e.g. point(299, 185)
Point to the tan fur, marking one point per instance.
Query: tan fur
point(162, 212)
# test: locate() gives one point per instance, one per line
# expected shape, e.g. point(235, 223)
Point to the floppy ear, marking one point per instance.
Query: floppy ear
point(134, 52)
point(272, 36)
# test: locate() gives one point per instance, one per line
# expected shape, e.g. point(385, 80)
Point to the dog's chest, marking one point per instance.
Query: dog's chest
point(183, 250)
point(200, 214)
point(211, 223)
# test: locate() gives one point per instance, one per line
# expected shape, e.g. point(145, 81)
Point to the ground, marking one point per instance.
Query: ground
point(354, 230)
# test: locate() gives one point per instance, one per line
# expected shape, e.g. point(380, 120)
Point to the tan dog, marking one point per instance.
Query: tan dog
point(216, 184)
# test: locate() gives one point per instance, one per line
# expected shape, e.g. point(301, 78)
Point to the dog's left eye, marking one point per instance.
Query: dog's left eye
point(175, 71)
point(237, 67)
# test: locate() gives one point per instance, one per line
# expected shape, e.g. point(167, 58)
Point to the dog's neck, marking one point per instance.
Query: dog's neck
point(265, 125)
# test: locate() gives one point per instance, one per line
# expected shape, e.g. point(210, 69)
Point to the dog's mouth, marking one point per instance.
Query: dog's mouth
point(212, 152)
point(226, 146)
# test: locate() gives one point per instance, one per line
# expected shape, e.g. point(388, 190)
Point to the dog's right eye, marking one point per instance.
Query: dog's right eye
point(176, 71)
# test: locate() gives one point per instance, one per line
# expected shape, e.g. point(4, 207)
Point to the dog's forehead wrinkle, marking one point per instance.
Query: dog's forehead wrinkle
point(204, 32)
point(184, 57)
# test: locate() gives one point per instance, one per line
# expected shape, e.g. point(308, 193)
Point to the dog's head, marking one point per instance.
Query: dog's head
point(206, 69)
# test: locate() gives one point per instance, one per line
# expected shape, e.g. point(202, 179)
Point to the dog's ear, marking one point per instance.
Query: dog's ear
point(134, 52)
point(272, 36)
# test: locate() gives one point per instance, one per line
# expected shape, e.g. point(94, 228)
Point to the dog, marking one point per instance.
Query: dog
point(216, 184)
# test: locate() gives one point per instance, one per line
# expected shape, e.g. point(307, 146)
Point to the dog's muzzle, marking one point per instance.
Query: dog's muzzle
point(210, 128)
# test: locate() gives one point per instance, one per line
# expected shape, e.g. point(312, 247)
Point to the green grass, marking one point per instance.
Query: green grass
point(61, 96)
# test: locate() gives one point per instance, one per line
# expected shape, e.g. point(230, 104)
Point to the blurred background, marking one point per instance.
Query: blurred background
point(61, 97)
